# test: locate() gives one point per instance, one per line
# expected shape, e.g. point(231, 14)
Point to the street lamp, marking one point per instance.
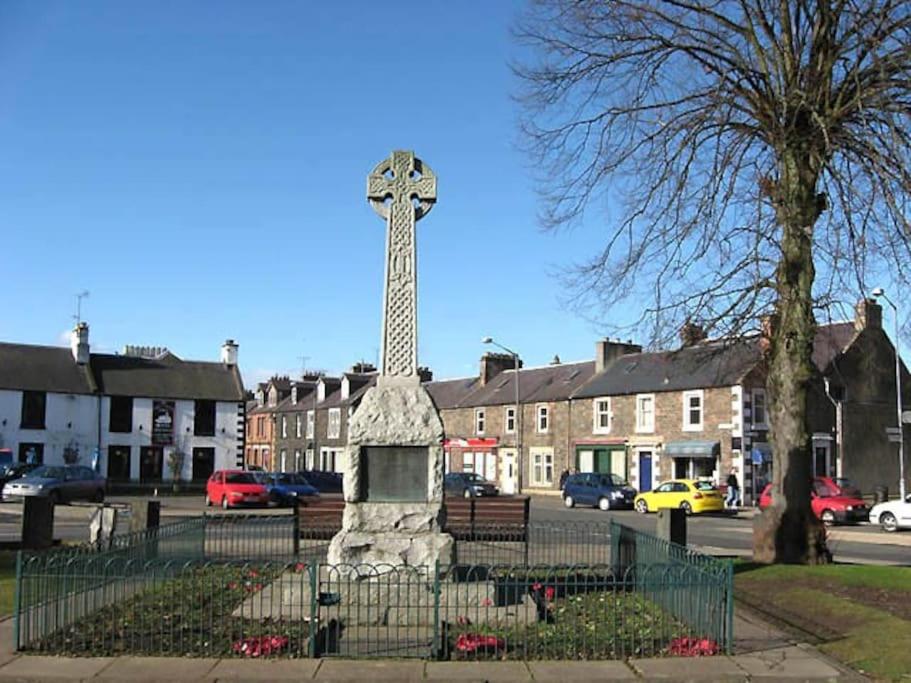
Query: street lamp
point(518, 425)
point(880, 293)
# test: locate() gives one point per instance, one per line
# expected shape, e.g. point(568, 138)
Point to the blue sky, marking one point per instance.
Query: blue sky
point(200, 168)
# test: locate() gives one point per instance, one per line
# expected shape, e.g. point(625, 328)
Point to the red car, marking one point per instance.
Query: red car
point(831, 503)
point(235, 487)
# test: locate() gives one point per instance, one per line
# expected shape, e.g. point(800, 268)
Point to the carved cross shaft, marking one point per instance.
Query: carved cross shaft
point(402, 190)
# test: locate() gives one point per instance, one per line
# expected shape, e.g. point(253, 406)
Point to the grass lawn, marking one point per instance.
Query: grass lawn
point(859, 615)
point(7, 581)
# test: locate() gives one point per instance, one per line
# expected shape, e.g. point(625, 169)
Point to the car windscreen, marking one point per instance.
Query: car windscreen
point(291, 479)
point(473, 477)
point(48, 472)
point(241, 478)
point(613, 480)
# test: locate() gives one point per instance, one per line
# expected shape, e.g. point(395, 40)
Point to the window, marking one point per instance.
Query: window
point(310, 422)
point(480, 417)
point(121, 414)
point(328, 458)
point(284, 426)
point(335, 423)
point(34, 405)
point(601, 416)
point(297, 425)
point(311, 465)
point(32, 453)
point(692, 411)
point(510, 421)
point(542, 468)
point(204, 418)
point(645, 412)
point(543, 419)
point(759, 412)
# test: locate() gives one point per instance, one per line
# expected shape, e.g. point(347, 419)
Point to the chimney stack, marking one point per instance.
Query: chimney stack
point(229, 352)
point(492, 364)
point(79, 343)
point(692, 333)
point(607, 351)
point(425, 373)
point(868, 315)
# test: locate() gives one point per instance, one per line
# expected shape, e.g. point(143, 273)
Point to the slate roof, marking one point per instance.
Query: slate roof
point(335, 400)
point(831, 340)
point(166, 377)
point(714, 364)
point(449, 393)
point(548, 383)
point(25, 367)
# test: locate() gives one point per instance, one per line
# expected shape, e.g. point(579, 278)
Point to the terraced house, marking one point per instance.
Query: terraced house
point(695, 412)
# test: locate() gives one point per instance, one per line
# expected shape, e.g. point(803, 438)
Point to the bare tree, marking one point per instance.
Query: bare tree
point(753, 158)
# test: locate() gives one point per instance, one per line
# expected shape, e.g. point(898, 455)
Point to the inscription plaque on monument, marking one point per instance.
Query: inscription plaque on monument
point(393, 474)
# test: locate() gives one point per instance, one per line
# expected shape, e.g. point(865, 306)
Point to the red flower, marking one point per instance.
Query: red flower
point(232, 585)
point(536, 586)
point(472, 642)
point(549, 593)
point(253, 574)
point(258, 646)
point(486, 602)
point(299, 567)
point(693, 647)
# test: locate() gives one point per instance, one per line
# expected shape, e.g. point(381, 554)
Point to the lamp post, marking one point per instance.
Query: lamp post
point(518, 425)
point(880, 293)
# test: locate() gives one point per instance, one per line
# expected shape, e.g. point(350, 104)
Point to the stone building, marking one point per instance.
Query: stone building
point(259, 450)
point(144, 414)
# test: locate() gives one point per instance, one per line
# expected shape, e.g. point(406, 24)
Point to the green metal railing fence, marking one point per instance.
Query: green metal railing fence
point(235, 585)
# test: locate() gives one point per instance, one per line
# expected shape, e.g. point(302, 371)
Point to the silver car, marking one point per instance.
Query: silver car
point(59, 483)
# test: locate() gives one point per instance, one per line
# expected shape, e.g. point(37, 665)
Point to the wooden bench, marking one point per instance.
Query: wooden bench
point(320, 518)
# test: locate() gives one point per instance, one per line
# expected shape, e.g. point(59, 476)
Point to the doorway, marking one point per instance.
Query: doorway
point(119, 463)
point(509, 481)
point(203, 463)
point(151, 459)
point(645, 471)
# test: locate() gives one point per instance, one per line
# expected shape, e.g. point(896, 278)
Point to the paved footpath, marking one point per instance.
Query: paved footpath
point(761, 654)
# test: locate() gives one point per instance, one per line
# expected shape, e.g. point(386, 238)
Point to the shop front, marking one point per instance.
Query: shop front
point(694, 459)
point(472, 455)
point(603, 457)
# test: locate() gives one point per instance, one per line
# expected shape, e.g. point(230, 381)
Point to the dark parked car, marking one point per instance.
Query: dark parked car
point(469, 485)
point(324, 481)
point(15, 470)
point(607, 491)
point(285, 488)
point(59, 483)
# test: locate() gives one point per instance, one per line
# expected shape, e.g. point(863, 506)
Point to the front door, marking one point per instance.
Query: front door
point(821, 458)
point(119, 463)
point(150, 463)
point(509, 482)
point(645, 471)
point(203, 463)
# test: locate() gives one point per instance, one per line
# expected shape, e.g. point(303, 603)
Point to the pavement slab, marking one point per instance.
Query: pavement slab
point(571, 672)
point(361, 670)
point(264, 670)
point(164, 669)
point(478, 671)
point(689, 669)
point(53, 668)
point(787, 663)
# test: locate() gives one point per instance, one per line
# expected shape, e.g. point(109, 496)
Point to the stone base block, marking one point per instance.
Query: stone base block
point(390, 548)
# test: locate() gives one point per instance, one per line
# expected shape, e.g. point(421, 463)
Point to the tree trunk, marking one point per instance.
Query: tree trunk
point(788, 531)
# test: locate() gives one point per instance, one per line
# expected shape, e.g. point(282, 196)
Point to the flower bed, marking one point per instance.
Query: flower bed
point(190, 614)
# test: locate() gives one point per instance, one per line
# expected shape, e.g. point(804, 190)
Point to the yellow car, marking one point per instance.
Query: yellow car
point(689, 495)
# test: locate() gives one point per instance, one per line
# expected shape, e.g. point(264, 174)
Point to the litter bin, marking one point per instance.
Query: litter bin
point(880, 494)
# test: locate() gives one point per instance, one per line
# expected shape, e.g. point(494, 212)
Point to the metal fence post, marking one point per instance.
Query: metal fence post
point(437, 645)
point(314, 608)
point(729, 616)
point(296, 529)
point(17, 600)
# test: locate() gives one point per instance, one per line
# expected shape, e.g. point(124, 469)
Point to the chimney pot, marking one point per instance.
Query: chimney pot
point(229, 352)
point(79, 343)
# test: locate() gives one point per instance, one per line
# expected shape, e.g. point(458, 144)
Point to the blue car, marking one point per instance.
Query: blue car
point(606, 491)
point(285, 488)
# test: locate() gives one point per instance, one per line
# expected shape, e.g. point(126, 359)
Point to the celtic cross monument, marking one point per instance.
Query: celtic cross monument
point(393, 463)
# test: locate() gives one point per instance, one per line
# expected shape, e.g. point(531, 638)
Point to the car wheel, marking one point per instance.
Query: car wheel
point(641, 506)
point(224, 503)
point(98, 497)
point(568, 501)
point(827, 517)
point(686, 507)
point(604, 504)
point(888, 522)
point(466, 493)
point(208, 501)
